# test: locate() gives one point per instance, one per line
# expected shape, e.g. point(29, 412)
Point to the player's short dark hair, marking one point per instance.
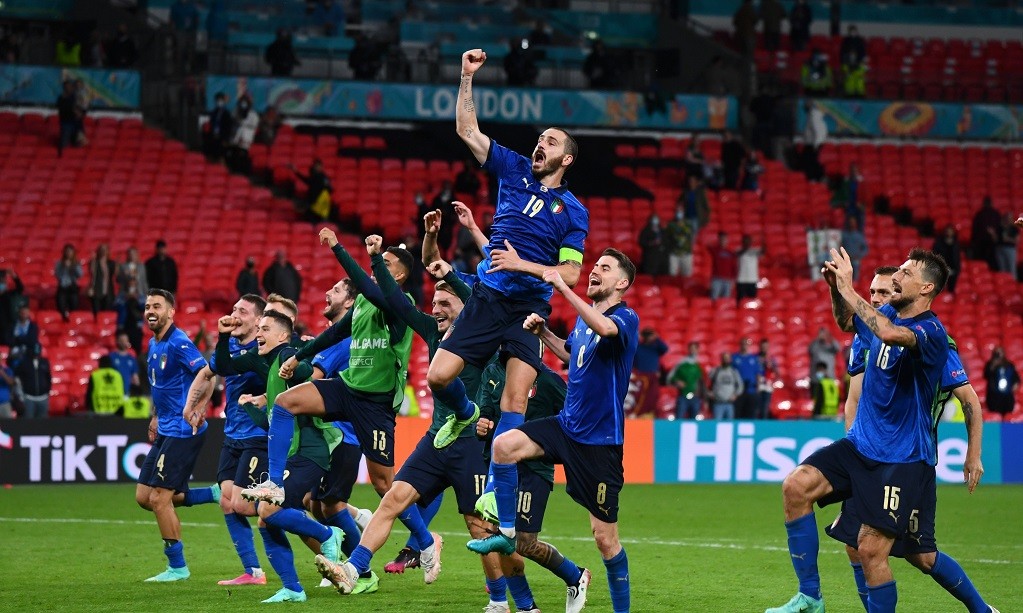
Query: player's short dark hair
point(105, 362)
point(351, 287)
point(156, 291)
point(936, 270)
point(886, 271)
point(571, 145)
point(288, 304)
point(404, 258)
point(282, 320)
point(257, 301)
point(623, 262)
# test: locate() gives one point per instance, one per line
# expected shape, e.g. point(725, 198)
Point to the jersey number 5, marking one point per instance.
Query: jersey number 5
point(534, 206)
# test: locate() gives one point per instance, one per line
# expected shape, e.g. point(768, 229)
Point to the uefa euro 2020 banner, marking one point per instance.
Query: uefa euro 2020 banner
point(106, 89)
point(357, 100)
point(903, 119)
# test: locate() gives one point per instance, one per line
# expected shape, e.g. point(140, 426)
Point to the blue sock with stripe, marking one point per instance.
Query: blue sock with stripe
point(346, 522)
point(427, 513)
point(412, 520)
point(949, 575)
point(520, 592)
point(175, 552)
point(241, 536)
point(281, 557)
point(199, 495)
point(804, 544)
point(618, 581)
point(861, 583)
point(454, 395)
point(278, 442)
point(297, 522)
point(498, 589)
point(882, 598)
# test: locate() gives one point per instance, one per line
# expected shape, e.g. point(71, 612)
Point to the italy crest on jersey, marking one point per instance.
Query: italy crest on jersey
point(557, 206)
point(163, 361)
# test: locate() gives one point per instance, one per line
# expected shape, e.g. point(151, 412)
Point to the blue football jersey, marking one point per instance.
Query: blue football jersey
point(545, 226)
point(900, 400)
point(598, 379)
point(172, 364)
point(237, 423)
point(127, 365)
point(333, 361)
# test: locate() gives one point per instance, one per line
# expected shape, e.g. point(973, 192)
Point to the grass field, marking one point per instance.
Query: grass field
point(691, 548)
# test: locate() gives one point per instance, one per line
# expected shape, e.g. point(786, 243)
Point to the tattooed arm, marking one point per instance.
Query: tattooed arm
point(973, 468)
point(465, 109)
point(878, 324)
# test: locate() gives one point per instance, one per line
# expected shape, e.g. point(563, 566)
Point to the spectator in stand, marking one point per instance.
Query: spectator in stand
point(330, 17)
point(102, 272)
point(422, 208)
point(82, 103)
point(68, 271)
point(364, 59)
point(123, 360)
point(814, 135)
point(800, 19)
point(162, 270)
point(467, 183)
point(855, 244)
point(269, 123)
point(947, 246)
point(824, 391)
point(732, 154)
point(519, 66)
point(36, 380)
point(984, 234)
point(854, 71)
point(218, 129)
point(12, 298)
point(694, 203)
point(317, 205)
point(68, 52)
point(1005, 251)
point(823, 349)
point(130, 306)
point(121, 51)
point(679, 238)
point(853, 206)
point(599, 67)
point(744, 20)
point(751, 373)
point(280, 55)
point(693, 163)
point(133, 268)
point(646, 372)
point(817, 77)
point(246, 121)
point(653, 248)
point(247, 281)
point(725, 388)
point(281, 277)
point(7, 382)
point(67, 116)
point(94, 56)
point(748, 269)
point(765, 389)
point(751, 171)
point(724, 269)
point(443, 202)
point(103, 395)
point(689, 379)
point(25, 334)
point(772, 13)
point(1002, 383)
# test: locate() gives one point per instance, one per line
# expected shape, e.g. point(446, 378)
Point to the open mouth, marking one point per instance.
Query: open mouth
point(440, 318)
point(152, 319)
point(539, 157)
point(594, 281)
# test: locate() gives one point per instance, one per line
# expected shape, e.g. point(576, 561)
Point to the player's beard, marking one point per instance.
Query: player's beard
point(161, 323)
point(901, 302)
point(599, 294)
point(331, 311)
point(550, 165)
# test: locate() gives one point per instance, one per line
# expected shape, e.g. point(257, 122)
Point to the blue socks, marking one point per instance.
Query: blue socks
point(520, 592)
point(175, 552)
point(361, 558)
point(949, 575)
point(241, 535)
point(427, 513)
point(506, 478)
point(346, 522)
point(804, 544)
point(498, 589)
point(278, 442)
point(618, 581)
point(882, 598)
point(297, 522)
point(414, 522)
point(568, 572)
point(454, 395)
point(278, 551)
point(509, 421)
point(199, 495)
point(861, 583)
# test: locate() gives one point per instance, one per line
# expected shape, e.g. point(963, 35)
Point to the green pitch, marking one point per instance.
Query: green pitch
point(691, 548)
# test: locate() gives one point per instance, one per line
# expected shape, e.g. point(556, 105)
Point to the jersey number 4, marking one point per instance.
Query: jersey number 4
point(534, 206)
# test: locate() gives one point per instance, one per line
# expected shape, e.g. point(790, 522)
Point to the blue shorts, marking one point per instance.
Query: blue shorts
point(337, 484)
point(243, 461)
point(301, 475)
point(594, 473)
point(888, 497)
point(492, 321)
point(534, 491)
point(170, 461)
point(459, 466)
point(371, 415)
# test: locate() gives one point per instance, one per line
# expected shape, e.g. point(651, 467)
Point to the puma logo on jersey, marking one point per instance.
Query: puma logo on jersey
point(493, 383)
point(525, 518)
point(526, 181)
point(894, 516)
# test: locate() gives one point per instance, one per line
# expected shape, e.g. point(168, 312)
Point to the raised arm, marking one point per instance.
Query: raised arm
point(879, 325)
point(443, 271)
point(973, 468)
point(431, 252)
point(538, 326)
point(601, 324)
point(466, 219)
point(398, 302)
point(355, 272)
point(465, 109)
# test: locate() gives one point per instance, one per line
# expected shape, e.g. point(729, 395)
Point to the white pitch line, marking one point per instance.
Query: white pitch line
point(733, 544)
